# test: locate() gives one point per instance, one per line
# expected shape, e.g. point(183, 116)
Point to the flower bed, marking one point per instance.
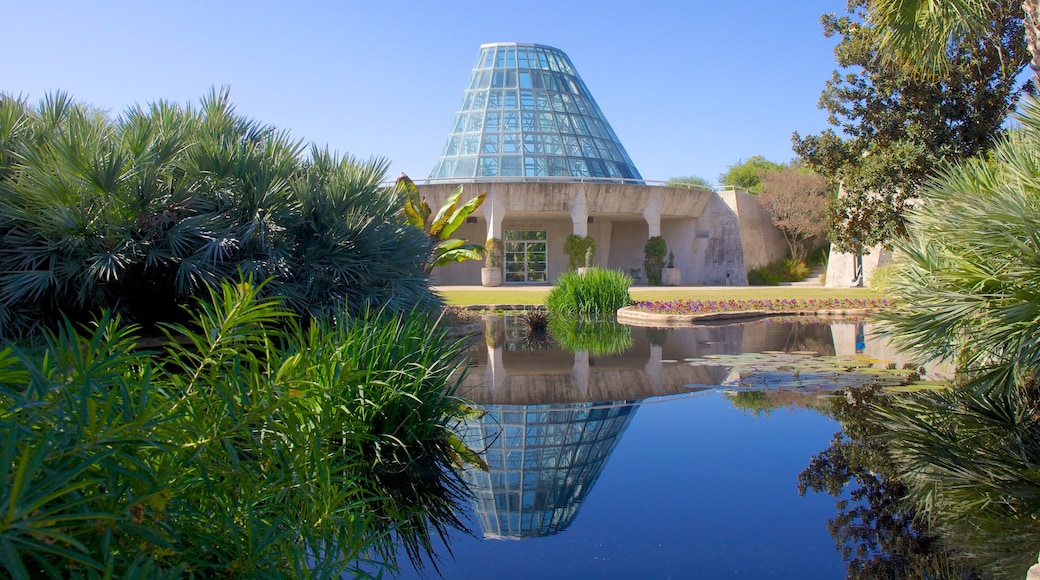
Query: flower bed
point(685, 307)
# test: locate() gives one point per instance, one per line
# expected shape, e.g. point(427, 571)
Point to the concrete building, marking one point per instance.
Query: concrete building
point(529, 134)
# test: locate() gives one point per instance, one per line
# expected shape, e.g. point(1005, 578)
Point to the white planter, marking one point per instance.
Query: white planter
point(583, 270)
point(491, 276)
point(671, 276)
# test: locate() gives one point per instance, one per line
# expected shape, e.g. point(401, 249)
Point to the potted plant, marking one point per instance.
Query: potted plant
point(491, 275)
point(670, 275)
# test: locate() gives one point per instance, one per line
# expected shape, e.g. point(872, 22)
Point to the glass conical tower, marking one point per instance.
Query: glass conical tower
point(526, 114)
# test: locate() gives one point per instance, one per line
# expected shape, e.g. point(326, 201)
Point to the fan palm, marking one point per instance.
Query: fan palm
point(918, 31)
point(144, 212)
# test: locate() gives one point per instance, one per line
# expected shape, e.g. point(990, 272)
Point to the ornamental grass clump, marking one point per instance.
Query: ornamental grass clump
point(598, 293)
point(249, 445)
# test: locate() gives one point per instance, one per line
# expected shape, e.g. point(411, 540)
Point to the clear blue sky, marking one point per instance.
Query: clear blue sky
point(689, 87)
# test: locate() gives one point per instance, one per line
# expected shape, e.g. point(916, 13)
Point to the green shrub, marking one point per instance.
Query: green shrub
point(245, 447)
point(654, 252)
point(143, 213)
point(598, 293)
point(785, 270)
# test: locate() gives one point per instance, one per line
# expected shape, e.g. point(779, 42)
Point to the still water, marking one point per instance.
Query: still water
point(639, 464)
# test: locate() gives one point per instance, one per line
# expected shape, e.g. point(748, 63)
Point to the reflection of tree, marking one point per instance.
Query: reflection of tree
point(763, 402)
point(878, 536)
point(971, 461)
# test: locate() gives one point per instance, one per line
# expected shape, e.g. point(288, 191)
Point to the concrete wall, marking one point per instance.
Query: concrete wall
point(715, 237)
point(718, 247)
point(761, 240)
point(841, 267)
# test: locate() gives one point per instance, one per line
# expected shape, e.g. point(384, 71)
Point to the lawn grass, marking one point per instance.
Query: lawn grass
point(536, 295)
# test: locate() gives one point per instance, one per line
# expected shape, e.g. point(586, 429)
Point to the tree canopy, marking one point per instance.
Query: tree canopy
point(747, 173)
point(796, 201)
point(890, 129)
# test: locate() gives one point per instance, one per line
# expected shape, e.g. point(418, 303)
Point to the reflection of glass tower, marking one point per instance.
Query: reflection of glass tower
point(527, 114)
point(543, 461)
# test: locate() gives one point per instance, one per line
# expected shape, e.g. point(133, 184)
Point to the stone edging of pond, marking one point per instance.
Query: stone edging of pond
point(633, 317)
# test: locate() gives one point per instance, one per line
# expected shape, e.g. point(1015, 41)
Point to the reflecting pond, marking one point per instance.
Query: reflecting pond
point(677, 455)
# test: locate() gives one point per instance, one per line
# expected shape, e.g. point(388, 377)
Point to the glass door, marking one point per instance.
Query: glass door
point(526, 255)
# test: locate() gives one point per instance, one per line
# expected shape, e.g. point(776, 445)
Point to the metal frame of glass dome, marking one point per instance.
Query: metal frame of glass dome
point(526, 114)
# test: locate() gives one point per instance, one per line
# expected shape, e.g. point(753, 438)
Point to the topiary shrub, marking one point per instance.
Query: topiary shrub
point(654, 252)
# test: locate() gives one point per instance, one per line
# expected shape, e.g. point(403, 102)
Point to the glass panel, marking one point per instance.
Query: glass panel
point(532, 144)
point(526, 100)
point(511, 143)
point(453, 147)
point(471, 145)
point(528, 122)
point(491, 122)
point(510, 121)
point(510, 99)
point(494, 100)
point(545, 123)
point(466, 166)
point(578, 167)
point(535, 166)
point(490, 143)
point(510, 167)
point(542, 101)
point(476, 120)
point(488, 166)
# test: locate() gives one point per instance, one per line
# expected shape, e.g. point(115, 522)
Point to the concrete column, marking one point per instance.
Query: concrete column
point(494, 213)
point(580, 373)
point(496, 372)
point(652, 214)
point(580, 214)
point(654, 368)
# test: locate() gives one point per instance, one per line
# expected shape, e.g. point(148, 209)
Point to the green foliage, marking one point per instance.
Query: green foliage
point(494, 251)
point(597, 337)
point(577, 247)
point(968, 284)
point(892, 128)
point(245, 447)
point(966, 288)
point(653, 259)
point(970, 462)
point(746, 174)
point(440, 226)
point(595, 294)
point(143, 213)
point(784, 270)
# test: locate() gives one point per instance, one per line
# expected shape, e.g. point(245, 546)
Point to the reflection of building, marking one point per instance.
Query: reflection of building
point(529, 134)
point(543, 461)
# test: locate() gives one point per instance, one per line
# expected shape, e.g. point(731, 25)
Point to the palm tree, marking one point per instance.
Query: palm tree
point(918, 31)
